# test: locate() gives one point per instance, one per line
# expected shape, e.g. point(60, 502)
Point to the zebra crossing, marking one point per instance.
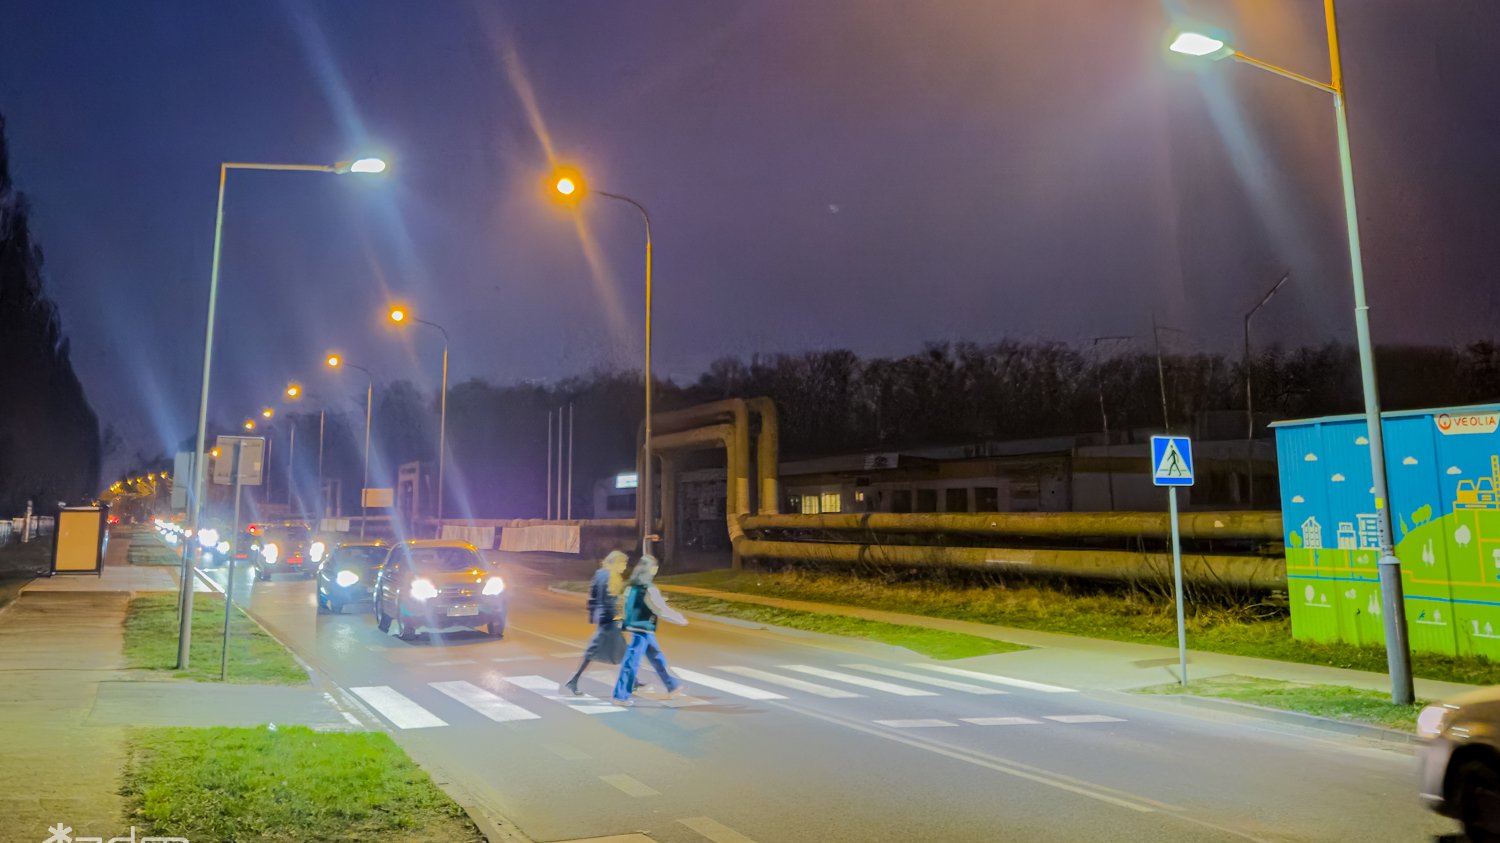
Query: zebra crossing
point(514, 698)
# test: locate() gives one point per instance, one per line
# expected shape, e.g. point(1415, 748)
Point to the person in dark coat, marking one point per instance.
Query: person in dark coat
point(643, 605)
point(603, 610)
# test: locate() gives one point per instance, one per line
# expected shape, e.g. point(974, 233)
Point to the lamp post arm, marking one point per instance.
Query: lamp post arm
point(1284, 73)
point(301, 168)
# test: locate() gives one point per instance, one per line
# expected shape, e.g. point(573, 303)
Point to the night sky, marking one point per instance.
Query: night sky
point(844, 173)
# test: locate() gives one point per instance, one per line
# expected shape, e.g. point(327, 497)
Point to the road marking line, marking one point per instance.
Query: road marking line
point(567, 753)
point(502, 659)
point(888, 687)
point(999, 680)
point(999, 721)
point(726, 685)
point(966, 687)
point(1083, 718)
point(451, 662)
point(914, 724)
point(352, 720)
point(789, 682)
point(493, 706)
point(715, 830)
point(584, 704)
point(630, 786)
point(397, 708)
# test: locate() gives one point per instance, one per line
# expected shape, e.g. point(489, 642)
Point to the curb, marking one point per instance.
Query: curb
point(1297, 718)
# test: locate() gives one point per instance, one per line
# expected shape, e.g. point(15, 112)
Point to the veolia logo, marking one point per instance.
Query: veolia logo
point(1450, 425)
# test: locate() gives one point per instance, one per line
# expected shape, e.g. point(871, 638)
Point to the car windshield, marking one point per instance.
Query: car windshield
point(361, 556)
point(445, 559)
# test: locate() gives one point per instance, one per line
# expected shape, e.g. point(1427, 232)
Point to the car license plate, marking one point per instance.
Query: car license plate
point(462, 611)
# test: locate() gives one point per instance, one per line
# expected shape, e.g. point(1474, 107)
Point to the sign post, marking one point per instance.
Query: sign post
point(245, 466)
point(1172, 458)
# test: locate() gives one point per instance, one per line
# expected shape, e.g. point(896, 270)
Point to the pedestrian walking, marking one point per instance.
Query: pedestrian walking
point(608, 643)
point(643, 605)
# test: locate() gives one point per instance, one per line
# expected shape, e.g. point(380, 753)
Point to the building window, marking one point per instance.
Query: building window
point(833, 502)
point(986, 499)
point(926, 500)
point(956, 500)
point(900, 500)
point(810, 505)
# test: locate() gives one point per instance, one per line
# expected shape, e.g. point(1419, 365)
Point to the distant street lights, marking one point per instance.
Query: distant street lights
point(249, 424)
point(400, 315)
point(334, 361)
point(570, 187)
point(1196, 44)
point(185, 597)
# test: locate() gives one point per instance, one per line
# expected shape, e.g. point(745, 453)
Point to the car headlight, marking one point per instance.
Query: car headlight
point(222, 547)
point(493, 586)
point(270, 552)
point(346, 578)
point(422, 590)
point(315, 552)
point(208, 537)
point(1433, 718)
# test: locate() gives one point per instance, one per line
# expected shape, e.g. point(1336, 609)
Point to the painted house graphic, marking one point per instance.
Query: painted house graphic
point(1312, 534)
point(1369, 529)
point(1347, 540)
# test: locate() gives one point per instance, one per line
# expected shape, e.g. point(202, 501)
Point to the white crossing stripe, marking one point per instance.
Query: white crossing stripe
point(999, 721)
point(789, 682)
point(913, 724)
point(584, 704)
point(1084, 718)
point(999, 680)
point(629, 785)
point(397, 708)
point(888, 687)
point(494, 707)
point(725, 685)
point(715, 830)
point(966, 687)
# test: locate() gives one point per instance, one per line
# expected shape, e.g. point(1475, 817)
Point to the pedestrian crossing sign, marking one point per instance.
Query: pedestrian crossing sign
point(1172, 460)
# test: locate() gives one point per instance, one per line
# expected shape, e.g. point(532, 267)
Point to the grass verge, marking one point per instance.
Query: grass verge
point(26, 560)
point(1121, 616)
point(149, 550)
point(254, 656)
point(1336, 702)
point(292, 784)
point(933, 643)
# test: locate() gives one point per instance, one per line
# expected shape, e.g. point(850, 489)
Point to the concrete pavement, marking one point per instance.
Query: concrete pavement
point(789, 738)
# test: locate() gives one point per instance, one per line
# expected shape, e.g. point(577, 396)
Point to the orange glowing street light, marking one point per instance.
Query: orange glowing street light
point(293, 390)
point(267, 413)
point(334, 361)
point(398, 314)
point(249, 424)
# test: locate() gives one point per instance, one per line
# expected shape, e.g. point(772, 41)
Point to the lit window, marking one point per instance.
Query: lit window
point(833, 502)
point(810, 505)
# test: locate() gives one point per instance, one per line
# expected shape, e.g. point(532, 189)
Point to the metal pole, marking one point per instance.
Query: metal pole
point(1177, 577)
point(234, 546)
point(185, 601)
point(291, 463)
point(322, 495)
point(1161, 376)
point(549, 465)
point(570, 461)
point(559, 463)
point(647, 484)
point(1393, 602)
point(442, 436)
point(369, 404)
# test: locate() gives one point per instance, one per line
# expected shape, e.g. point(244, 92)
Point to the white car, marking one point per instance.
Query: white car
point(1459, 761)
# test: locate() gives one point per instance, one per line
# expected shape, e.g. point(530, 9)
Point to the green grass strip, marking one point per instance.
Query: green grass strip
point(933, 643)
point(254, 656)
point(291, 784)
point(1333, 701)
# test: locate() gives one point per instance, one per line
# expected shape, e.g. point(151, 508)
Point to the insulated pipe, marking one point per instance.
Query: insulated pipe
point(767, 455)
point(1261, 526)
point(1242, 571)
point(668, 508)
point(737, 485)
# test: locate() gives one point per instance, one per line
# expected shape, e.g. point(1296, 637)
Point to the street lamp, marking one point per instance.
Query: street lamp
point(334, 361)
point(267, 413)
point(1195, 44)
point(185, 585)
point(400, 315)
point(249, 424)
point(569, 186)
point(293, 392)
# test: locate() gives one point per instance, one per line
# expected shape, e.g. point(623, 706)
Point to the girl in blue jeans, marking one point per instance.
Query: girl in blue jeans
point(643, 605)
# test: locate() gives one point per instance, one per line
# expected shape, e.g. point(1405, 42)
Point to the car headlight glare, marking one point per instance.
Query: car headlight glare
point(493, 586)
point(222, 547)
point(346, 578)
point(316, 550)
point(423, 590)
point(270, 552)
point(1433, 718)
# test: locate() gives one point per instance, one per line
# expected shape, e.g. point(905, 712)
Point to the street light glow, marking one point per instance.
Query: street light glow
point(565, 186)
point(398, 314)
point(333, 361)
point(293, 390)
point(367, 165)
point(267, 413)
point(249, 424)
point(568, 185)
point(1199, 45)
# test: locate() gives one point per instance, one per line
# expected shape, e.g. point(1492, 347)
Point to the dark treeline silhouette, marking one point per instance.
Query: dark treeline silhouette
point(49, 435)
point(836, 402)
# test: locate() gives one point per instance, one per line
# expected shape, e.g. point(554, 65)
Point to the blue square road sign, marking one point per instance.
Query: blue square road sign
point(1171, 461)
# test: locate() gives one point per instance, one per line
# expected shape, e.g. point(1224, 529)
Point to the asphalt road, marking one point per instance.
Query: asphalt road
point(809, 738)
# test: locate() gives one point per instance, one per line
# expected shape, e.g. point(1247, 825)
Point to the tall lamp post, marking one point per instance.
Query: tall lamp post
point(400, 315)
point(185, 585)
point(334, 361)
point(1199, 45)
point(293, 393)
point(570, 187)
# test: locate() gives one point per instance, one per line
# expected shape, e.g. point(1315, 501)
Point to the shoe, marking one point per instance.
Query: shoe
point(676, 693)
point(641, 685)
point(625, 703)
point(569, 688)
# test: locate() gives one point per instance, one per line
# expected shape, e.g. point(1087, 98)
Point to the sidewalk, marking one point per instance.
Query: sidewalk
point(1094, 663)
point(66, 699)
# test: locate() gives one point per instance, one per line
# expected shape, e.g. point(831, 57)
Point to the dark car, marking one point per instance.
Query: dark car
point(1459, 761)
point(289, 549)
point(436, 584)
point(347, 575)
